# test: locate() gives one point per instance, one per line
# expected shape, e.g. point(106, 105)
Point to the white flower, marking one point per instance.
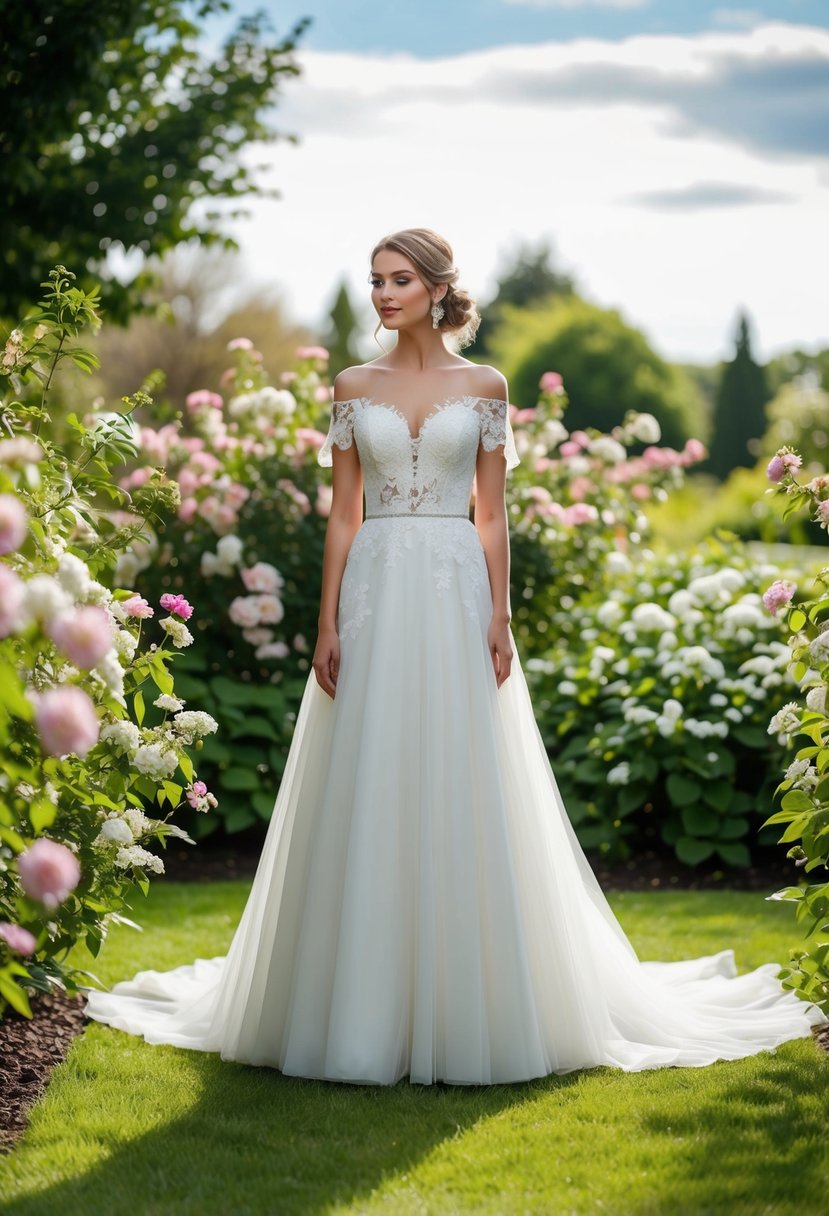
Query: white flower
point(652, 617)
point(638, 715)
point(816, 700)
point(154, 762)
point(115, 831)
point(645, 428)
point(617, 563)
point(819, 649)
point(45, 598)
point(212, 564)
point(609, 613)
point(702, 729)
point(125, 644)
point(620, 775)
point(123, 735)
point(244, 611)
point(802, 774)
point(273, 650)
point(165, 701)
point(230, 549)
point(138, 821)
point(194, 724)
point(136, 856)
point(786, 721)
point(111, 673)
point(74, 576)
point(607, 449)
point(567, 688)
point(177, 631)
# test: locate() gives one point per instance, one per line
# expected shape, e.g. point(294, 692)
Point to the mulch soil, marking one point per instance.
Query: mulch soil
point(30, 1049)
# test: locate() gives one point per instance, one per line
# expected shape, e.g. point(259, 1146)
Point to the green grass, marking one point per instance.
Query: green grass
point(133, 1129)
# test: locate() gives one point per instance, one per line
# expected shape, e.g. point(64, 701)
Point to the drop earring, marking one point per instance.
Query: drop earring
point(437, 314)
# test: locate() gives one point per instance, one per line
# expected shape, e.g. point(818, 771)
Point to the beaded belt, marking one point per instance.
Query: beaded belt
point(420, 514)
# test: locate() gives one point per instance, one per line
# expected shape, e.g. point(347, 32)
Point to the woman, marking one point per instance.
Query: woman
point(422, 906)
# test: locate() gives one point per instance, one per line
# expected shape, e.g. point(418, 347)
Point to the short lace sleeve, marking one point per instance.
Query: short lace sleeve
point(340, 431)
point(496, 429)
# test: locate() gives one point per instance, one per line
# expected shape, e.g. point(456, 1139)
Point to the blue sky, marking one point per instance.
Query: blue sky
point(435, 28)
point(675, 156)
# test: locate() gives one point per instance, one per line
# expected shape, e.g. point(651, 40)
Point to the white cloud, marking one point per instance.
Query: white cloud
point(664, 192)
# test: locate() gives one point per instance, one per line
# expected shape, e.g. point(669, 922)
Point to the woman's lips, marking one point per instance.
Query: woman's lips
point(388, 311)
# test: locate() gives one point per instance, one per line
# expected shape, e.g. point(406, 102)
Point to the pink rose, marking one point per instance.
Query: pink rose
point(270, 609)
point(84, 635)
point(778, 595)
point(240, 344)
point(273, 650)
point(48, 871)
point(12, 597)
point(244, 611)
point(13, 523)
point(569, 448)
point(640, 491)
point(822, 512)
point(177, 605)
point(200, 798)
point(202, 398)
point(694, 450)
point(188, 509)
point(18, 939)
point(580, 487)
point(551, 382)
point(522, 416)
point(227, 377)
point(262, 577)
point(312, 352)
point(136, 606)
point(66, 721)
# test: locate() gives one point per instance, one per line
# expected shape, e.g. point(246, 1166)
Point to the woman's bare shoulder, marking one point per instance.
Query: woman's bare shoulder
point(351, 382)
point(487, 381)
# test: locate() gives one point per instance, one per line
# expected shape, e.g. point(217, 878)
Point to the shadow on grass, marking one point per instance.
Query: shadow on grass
point(255, 1141)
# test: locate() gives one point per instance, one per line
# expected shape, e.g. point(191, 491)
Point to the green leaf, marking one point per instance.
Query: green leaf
point(239, 818)
point(797, 619)
point(15, 995)
point(698, 821)
point(42, 813)
point(138, 705)
point(692, 851)
point(239, 779)
point(681, 790)
point(735, 854)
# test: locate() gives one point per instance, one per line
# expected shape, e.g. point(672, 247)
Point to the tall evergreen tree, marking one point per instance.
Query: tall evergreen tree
point(739, 408)
point(343, 327)
point(528, 278)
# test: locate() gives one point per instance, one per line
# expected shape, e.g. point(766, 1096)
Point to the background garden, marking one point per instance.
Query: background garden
point(162, 518)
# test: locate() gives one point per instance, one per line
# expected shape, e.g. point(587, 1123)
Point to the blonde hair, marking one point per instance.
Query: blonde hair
point(434, 262)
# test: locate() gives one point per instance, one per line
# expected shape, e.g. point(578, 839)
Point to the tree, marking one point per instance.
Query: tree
point(113, 125)
point(340, 336)
point(528, 278)
point(739, 409)
point(608, 368)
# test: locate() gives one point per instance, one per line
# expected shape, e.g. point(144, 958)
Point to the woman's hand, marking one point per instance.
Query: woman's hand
point(326, 660)
point(500, 648)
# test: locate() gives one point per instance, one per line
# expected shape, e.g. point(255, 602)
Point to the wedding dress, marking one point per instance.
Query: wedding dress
point(422, 906)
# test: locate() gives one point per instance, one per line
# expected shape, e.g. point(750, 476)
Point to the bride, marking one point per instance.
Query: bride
point(422, 907)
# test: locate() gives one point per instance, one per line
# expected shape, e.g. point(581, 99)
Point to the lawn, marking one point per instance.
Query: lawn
point(128, 1128)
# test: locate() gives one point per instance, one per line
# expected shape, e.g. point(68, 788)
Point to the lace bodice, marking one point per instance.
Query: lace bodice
point(430, 472)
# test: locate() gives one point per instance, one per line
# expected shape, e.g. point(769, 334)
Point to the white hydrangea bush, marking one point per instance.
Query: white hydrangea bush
point(655, 701)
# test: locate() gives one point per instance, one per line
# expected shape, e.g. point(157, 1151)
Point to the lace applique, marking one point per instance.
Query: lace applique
point(454, 543)
point(496, 428)
point(341, 430)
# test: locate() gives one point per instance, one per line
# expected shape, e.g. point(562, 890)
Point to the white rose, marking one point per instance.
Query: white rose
point(230, 549)
point(645, 428)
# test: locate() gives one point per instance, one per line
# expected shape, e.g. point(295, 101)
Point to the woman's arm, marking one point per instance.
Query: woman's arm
point(344, 521)
point(491, 523)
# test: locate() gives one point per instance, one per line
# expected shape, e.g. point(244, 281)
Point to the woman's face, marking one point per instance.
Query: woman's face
point(400, 297)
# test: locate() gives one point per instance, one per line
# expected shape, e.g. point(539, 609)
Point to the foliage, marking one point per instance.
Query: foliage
point(739, 415)
point(81, 763)
point(343, 333)
point(249, 535)
point(654, 699)
point(799, 414)
point(117, 132)
point(805, 788)
point(608, 367)
point(528, 278)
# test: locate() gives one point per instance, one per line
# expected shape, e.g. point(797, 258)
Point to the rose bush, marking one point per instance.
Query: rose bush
point(90, 772)
point(805, 786)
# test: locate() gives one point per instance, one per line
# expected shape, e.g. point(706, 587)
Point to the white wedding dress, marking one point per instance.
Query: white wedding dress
point(422, 906)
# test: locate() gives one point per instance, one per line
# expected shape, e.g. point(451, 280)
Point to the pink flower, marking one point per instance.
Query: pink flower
point(48, 871)
point(66, 721)
point(199, 797)
point(551, 382)
point(580, 487)
point(13, 523)
point(325, 497)
point(287, 377)
point(581, 438)
point(522, 416)
point(202, 398)
point(695, 450)
point(177, 605)
point(270, 609)
point(569, 448)
point(822, 512)
point(240, 344)
point(18, 939)
point(136, 606)
point(581, 513)
point(84, 635)
point(138, 477)
point(227, 377)
point(12, 596)
point(20, 450)
point(776, 469)
point(188, 509)
point(312, 352)
point(778, 595)
point(244, 611)
point(640, 491)
point(262, 577)
point(273, 650)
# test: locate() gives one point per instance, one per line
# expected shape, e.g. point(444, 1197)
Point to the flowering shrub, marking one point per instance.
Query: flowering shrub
point(805, 787)
point(82, 764)
point(249, 535)
point(576, 498)
point(654, 702)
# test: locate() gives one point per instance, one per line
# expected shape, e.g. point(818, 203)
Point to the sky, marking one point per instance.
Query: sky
point(674, 154)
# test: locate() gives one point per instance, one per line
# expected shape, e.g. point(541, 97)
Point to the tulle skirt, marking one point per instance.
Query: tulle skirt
point(422, 906)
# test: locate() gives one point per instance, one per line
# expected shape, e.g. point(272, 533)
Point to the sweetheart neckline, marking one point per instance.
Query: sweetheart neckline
point(437, 407)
